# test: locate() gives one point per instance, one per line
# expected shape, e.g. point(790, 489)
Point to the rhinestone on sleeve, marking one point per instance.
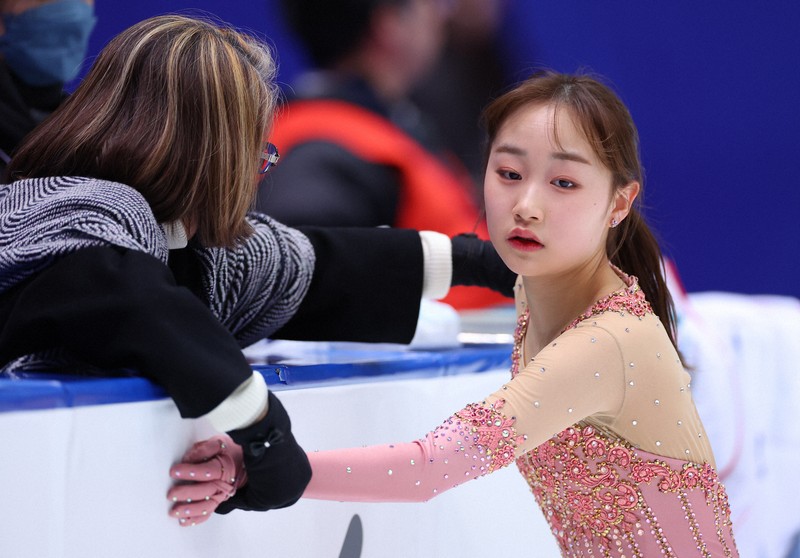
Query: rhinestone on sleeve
point(490, 432)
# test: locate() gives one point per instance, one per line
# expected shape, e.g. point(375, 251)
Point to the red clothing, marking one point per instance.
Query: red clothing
point(432, 196)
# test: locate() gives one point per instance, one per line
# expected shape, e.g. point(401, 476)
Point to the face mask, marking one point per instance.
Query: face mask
point(46, 45)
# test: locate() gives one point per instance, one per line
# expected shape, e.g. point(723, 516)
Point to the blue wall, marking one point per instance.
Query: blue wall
point(713, 87)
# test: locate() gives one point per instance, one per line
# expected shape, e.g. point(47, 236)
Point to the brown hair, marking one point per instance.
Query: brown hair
point(175, 107)
point(608, 127)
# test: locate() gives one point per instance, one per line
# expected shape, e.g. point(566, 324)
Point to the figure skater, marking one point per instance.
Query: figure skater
point(598, 412)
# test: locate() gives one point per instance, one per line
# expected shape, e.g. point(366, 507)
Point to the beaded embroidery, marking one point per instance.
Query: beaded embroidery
point(590, 490)
point(603, 497)
point(493, 432)
point(629, 298)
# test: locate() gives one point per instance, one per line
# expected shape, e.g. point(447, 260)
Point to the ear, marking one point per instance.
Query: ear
point(623, 201)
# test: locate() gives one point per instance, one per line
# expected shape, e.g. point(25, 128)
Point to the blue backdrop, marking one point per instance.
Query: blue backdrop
point(713, 87)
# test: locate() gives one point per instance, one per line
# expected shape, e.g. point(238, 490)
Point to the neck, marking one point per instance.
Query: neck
point(555, 301)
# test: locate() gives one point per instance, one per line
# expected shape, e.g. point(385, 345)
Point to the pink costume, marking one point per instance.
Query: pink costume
point(601, 424)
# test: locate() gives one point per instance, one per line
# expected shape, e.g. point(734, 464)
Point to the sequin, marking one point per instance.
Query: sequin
point(492, 432)
point(595, 494)
point(630, 298)
point(601, 496)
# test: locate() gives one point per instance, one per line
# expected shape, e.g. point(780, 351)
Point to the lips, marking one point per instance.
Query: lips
point(525, 240)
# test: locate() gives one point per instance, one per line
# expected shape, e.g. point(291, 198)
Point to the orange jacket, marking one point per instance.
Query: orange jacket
point(432, 197)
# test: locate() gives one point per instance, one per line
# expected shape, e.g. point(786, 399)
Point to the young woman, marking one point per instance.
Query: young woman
point(126, 243)
point(598, 413)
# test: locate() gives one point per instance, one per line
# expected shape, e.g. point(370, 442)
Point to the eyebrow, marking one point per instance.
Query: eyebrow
point(567, 156)
point(558, 155)
point(510, 149)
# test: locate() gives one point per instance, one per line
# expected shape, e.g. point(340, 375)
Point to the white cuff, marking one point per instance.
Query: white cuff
point(176, 235)
point(437, 256)
point(242, 407)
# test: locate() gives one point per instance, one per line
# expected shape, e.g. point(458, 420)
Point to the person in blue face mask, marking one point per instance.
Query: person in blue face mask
point(42, 47)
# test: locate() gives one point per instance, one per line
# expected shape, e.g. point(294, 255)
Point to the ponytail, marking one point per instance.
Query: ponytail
point(633, 248)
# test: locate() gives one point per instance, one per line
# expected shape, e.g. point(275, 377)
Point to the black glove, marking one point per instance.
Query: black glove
point(277, 468)
point(476, 263)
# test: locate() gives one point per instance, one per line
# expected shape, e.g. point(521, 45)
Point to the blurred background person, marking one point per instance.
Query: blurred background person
point(471, 70)
point(355, 151)
point(42, 46)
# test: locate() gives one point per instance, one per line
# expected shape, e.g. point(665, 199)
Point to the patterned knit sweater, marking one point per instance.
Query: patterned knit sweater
point(253, 289)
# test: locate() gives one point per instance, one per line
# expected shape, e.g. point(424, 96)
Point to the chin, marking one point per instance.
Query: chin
point(515, 265)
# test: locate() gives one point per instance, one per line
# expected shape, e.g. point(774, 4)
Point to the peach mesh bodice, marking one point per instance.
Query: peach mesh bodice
point(601, 494)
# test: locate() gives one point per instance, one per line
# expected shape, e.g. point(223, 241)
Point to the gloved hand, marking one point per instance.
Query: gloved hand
point(476, 263)
point(277, 468)
point(213, 470)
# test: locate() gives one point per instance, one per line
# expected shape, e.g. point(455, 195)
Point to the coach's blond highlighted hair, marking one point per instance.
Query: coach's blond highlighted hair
point(175, 107)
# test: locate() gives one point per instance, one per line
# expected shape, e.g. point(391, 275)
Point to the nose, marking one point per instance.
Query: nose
point(528, 205)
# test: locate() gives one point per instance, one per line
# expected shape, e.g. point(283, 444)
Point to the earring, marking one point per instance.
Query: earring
point(614, 223)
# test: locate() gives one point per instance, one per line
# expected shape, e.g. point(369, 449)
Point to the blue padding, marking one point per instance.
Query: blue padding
point(46, 391)
point(33, 391)
point(27, 395)
point(102, 391)
point(353, 365)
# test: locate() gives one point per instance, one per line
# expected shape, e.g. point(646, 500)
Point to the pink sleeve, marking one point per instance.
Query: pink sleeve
point(473, 442)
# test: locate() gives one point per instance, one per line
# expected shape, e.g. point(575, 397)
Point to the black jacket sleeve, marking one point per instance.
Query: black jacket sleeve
point(120, 309)
point(366, 287)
